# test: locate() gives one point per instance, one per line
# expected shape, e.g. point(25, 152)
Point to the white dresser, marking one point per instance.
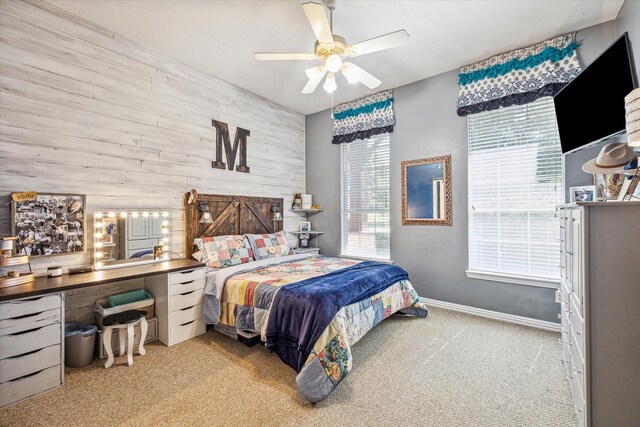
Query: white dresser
point(179, 302)
point(600, 310)
point(31, 346)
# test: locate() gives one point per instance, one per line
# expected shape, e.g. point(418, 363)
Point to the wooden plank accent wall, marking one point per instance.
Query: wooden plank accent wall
point(84, 110)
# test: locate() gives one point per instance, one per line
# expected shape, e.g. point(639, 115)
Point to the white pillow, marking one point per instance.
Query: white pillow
point(197, 256)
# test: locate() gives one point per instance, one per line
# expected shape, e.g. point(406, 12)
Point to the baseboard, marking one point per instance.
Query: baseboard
point(511, 318)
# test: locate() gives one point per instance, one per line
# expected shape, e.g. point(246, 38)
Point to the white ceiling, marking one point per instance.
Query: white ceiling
point(220, 37)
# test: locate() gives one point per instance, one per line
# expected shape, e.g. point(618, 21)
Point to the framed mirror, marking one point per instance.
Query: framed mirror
point(126, 238)
point(426, 191)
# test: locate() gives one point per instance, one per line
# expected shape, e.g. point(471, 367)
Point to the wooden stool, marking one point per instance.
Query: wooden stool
point(125, 320)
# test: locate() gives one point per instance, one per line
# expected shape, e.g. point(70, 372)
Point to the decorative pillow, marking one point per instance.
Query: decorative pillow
point(197, 255)
point(268, 245)
point(224, 251)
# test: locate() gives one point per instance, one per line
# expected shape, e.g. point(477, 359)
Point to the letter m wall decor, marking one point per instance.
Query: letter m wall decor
point(240, 141)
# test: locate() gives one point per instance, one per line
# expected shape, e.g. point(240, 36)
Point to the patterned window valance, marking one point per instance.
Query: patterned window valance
point(518, 77)
point(363, 118)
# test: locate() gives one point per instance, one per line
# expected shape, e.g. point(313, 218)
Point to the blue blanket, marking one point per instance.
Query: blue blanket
point(301, 311)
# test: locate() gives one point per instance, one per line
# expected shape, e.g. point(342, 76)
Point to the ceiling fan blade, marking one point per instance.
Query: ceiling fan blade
point(365, 78)
point(388, 41)
point(276, 56)
point(318, 20)
point(315, 75)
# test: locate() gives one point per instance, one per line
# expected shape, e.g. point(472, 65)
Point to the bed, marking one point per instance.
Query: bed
point(310, 310)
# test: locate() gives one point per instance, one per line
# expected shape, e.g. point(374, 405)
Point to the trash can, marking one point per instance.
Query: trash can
point(79, 344)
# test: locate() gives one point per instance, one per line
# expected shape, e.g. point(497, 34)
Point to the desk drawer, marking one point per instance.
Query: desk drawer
point(21, 388)
point(185, 315)
point(189, 299)
point(181, 288)
point(186, 276)
point(27, 306)
point(19, 366)
point(30, 321)
point(184, 332)
point(24, 342)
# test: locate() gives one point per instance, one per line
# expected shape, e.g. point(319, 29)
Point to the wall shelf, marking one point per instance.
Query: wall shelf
point(306, 211)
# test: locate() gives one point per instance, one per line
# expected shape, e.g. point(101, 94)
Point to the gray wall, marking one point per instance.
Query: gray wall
point(435, 257)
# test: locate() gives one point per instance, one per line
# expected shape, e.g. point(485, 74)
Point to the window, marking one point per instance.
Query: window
point(515, 182)
point(364, 180)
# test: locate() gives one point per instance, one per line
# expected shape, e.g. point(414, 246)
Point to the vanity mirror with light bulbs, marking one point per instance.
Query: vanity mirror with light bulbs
point(124, 238)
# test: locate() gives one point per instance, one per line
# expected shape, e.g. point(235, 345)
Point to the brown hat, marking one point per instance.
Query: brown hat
point(611, 158)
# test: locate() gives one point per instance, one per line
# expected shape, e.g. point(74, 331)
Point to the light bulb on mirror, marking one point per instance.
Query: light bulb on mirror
point(333, 63)
point(330, 83)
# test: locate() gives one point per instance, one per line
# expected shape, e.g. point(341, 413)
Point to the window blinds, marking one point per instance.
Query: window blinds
point(364, 180)
point(515, 182)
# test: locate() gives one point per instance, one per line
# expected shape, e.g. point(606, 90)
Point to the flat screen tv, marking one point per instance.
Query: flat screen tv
point(591, 107)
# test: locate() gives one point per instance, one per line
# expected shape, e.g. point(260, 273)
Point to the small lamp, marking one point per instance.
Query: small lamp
point(277, 216)
point(632, 108)
point(206, 217)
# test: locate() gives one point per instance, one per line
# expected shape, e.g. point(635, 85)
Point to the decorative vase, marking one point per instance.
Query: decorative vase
point(297, 204)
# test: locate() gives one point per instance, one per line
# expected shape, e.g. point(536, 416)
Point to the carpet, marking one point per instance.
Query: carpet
point(450, 369)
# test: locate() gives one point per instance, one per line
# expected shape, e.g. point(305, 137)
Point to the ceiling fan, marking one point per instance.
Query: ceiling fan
point(333, 49)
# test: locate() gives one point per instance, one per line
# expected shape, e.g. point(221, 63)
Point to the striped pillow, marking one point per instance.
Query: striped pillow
point(224, 251)
point(268, 245)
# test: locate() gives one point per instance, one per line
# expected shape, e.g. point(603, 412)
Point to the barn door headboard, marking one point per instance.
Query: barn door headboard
point(231, 215)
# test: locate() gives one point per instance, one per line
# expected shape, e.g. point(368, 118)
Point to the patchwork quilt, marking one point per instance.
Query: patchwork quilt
point(243, 298)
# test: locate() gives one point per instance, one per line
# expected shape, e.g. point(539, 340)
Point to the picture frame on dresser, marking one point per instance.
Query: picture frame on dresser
point(50, 224)
point(583, 194)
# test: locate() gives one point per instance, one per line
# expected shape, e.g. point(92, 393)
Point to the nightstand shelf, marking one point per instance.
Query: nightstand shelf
point(307, 211)
point(312, 235)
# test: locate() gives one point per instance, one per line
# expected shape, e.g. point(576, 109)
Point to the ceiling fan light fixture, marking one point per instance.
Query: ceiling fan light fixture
point(350, 73)
point(333, 63)
point(330, 83)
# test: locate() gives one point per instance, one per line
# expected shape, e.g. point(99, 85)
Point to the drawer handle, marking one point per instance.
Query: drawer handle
point(188, 293)
point(186, 272)
point(27, 353)
point(186, 283)
point(188, 323)
point(188, 308)
point(24, 316)
point(27, 331)
point(26, 376)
